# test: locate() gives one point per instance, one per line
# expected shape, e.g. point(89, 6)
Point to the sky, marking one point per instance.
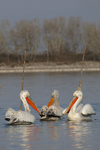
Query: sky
point(16, 10)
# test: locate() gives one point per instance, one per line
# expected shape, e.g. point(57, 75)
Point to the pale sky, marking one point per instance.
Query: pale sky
point(16, 10)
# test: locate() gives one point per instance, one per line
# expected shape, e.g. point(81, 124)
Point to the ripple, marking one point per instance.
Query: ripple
point(49, 135)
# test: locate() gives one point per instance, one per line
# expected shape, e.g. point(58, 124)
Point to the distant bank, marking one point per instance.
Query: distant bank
point(52, 67)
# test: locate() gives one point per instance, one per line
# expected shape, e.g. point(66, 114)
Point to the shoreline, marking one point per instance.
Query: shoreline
point(52, 67)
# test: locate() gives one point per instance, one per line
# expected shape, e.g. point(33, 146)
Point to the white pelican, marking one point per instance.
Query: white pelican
point(44, 109)
point(78, 112)
point(52, 111)
point(55, 111)
point(52, 101)
point(21, 117)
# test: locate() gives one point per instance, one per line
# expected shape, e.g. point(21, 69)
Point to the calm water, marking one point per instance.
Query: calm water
point(53, 134)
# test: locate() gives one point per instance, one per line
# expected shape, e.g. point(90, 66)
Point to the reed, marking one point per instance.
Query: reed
point(80, 84)
point(23, 77)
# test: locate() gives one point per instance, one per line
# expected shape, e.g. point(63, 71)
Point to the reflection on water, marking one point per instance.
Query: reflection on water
point(79, 132)
point(49, 135)
point(24, 134)
point(31, 135)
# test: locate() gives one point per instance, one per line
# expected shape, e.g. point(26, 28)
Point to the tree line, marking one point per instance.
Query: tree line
point(53, 37)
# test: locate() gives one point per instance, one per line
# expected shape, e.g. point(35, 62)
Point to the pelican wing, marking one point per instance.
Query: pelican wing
point(23, 116)
point(19, 117)
point(55, 111)
point(9, 115)
point(79, 108)
point(88, 110)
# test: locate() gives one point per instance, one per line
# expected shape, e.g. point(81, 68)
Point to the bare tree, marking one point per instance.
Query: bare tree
point(59, 36)
point(25, 36)
point(36, 37)
point(4, 29)
point(91, 29)
point(54, 35)
point(73, 34)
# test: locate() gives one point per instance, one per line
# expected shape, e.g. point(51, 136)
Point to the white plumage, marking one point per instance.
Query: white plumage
point(77, 111)
point(20, 117)
point(55, 109)
point(52, 111)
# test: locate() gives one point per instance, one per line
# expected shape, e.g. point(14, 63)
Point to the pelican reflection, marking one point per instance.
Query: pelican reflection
point(79, 132)
point(23, 135)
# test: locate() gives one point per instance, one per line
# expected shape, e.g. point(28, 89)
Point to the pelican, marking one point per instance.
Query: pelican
point(76, 111)
point(55, 111)
point(21, 117)
point(45, 108)
point(52, 111)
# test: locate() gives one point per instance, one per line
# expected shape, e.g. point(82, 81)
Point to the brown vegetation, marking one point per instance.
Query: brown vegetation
point(57, 40)
point(68, 58)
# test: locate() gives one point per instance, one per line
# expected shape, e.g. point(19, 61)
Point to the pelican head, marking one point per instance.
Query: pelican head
point(44, 110)
point(55, 94)
point(26, 99)
point(54, 98)
point(51, 110)
point(77, 97)
point(24, 94)
point(78, 94)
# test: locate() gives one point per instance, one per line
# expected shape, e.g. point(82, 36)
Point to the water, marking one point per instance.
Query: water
point(45, 135)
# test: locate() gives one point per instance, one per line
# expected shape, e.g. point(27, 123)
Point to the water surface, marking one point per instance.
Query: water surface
point(43, 135)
